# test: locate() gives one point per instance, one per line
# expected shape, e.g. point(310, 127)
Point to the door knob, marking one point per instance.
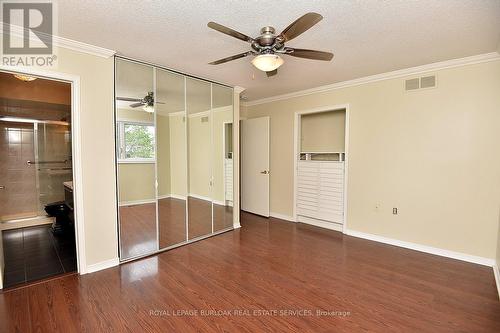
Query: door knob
point(265, 172)
point(2, 187)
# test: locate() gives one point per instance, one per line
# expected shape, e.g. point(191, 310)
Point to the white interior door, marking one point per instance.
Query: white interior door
point(255, 166)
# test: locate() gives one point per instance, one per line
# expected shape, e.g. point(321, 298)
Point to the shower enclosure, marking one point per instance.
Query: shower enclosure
point(35, 161)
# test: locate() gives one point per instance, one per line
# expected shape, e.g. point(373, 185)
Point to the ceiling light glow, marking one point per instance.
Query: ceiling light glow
point(267, 62)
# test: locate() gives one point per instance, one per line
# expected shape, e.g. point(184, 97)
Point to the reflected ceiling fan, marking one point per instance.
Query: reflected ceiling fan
point(268, 46)
point(147, 102)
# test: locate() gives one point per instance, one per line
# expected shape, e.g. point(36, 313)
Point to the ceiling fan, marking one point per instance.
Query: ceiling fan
point(268, 46)
point(147, 102)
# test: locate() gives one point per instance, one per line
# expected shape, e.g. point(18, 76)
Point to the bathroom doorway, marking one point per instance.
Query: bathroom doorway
point(36, 180)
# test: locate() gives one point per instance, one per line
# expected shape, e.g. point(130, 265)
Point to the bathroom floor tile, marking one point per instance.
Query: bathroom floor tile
point(44, 270)
point(12, 278)
point(35, 253)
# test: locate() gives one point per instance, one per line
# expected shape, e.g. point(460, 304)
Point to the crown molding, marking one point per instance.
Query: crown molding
point(66, 43)
point(238, 89)
point(476, 59)
point(83, 47)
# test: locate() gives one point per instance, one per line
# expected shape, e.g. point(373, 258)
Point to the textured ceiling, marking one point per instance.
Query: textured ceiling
point(367, 37)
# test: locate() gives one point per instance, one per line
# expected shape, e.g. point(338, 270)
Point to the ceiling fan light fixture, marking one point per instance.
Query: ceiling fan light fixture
point(25, 78)
point(148, 108)
point(267, 62)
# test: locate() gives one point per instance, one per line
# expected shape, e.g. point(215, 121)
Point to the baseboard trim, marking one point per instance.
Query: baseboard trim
point(102, 265)
point(201, 197)
point(423, 248)
point(282, 217)
point(177, 196)
point(496, 272)
point(166, 196)
point(320, 223)
point(136, 202)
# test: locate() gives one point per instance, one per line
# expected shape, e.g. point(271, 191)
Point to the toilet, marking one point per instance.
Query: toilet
point(61, 212)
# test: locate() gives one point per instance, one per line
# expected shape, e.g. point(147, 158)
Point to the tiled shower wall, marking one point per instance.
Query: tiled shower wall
point(19, 198)
point(54, 144)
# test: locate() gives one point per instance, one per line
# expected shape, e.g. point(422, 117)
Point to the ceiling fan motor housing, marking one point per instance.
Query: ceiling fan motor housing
point(267, 42)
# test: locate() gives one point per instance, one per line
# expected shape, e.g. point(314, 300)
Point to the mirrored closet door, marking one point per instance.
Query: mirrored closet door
point(174, 155)
point(222, 157)
point(136, 159)
point(199, 118)
point(172, 158)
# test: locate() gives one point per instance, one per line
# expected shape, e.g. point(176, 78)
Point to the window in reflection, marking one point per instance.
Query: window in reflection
point(136, 159)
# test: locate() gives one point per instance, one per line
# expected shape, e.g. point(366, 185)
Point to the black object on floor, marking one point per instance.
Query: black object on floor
point(61, 212)
point(36, 253)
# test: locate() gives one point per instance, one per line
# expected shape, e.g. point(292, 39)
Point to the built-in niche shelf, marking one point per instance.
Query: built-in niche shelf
point(322, 156)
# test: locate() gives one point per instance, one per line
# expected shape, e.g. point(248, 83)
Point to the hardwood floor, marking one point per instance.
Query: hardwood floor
point(172, 221)
point(138, 223)
point(266, 265)
point(137, 230)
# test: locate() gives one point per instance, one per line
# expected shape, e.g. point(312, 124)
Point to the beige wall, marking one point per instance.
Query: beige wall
point(323, 132)
point(163, 153)
point(97, 143)
point(138, 115)
point(199, 155)
point(431, 153)
point(178, 169)
point(136, 182)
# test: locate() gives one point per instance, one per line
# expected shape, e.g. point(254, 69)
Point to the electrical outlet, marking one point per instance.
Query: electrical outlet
point(395, 211)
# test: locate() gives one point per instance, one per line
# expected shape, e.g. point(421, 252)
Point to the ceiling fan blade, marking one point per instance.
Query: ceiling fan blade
point(229, 31)
point(234, 57)
point(309, 54)
point(128, 99)
point(135, 105)
point(272, 73)
point(300, 25)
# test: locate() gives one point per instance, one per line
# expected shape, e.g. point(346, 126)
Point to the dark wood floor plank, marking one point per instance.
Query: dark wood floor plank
point(268, 264)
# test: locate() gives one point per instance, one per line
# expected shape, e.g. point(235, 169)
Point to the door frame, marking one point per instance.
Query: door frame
point(296, 136)
point(74, 80)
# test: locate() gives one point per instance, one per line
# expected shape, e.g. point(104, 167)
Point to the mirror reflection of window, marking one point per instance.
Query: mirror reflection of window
point(136, 141)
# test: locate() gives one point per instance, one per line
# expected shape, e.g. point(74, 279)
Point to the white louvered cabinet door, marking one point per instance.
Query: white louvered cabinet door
point(320, 190)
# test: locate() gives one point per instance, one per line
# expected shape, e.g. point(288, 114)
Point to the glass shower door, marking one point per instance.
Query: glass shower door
point(53, 161)
point(18, 198)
